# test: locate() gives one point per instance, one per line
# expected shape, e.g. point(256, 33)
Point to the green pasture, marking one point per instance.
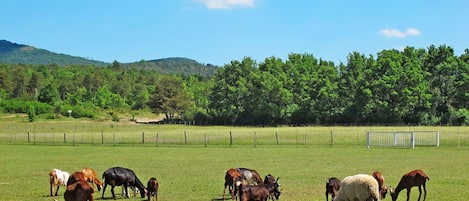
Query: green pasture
point(197, 173)
point(194, 169)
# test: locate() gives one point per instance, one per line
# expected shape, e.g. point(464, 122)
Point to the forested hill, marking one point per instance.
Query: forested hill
point(176, 66)
point(14, 53)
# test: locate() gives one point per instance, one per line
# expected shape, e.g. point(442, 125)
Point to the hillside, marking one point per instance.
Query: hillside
point(175, 65)
point(14, 53)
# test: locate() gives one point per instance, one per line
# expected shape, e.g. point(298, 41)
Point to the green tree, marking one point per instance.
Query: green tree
point(49, 94)
point(170, 97)
point(230, 93)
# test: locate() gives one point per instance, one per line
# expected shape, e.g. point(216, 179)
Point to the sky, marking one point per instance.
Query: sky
point(220, 31)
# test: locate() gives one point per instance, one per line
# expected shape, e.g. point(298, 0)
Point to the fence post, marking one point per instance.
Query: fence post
point(367, 139)
point(73, 139)
point(231, 139)
point(65, 138)
point(205, 140)
point(332, 138)
point(102, 137)
point(185, 137)
point(28, 137)
point(254, 139)
point(156, 139)
point(34, 138)
point(412, 140)
point(276, 137)
point(438, 138)
point(305, 139)
point(143, 137)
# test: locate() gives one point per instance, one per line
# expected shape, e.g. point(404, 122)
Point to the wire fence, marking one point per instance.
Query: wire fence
point(165, 135)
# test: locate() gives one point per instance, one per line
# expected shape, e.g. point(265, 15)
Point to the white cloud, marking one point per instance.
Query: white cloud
point(394, 33)
point(226, 4)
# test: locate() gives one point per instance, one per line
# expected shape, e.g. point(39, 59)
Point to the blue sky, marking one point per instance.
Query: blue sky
point(219, 31)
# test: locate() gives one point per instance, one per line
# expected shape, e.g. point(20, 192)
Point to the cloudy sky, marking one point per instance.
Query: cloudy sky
point(219, 31)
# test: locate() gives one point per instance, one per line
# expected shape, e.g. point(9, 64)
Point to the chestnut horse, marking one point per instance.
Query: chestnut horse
point(90, 176)
point(383, 190)
point(413, 178)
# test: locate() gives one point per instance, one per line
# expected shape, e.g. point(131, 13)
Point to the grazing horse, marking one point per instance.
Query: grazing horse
point(79, 191)
point(274, 191)
point(250, 177)
point(57, 178)
point(383, 190)
point(259, 192)
point(332, 187)
point(76, 176)
point(152, 188)
point(118, 176)
point(413, 178)
point(231, 176)
point(90, 176)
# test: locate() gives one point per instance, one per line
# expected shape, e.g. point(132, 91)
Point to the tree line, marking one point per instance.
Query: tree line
point(418, 86)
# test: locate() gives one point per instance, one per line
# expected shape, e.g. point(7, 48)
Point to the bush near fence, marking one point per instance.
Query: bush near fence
point(102, 133)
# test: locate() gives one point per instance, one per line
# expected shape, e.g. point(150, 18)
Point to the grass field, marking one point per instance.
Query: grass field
point(195, 172)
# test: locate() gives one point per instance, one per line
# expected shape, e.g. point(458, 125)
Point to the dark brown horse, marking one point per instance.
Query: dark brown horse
point(332, 187)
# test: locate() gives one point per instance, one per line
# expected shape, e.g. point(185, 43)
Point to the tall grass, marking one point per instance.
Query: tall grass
point(122, 133)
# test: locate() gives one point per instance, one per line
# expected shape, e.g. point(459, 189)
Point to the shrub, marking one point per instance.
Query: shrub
point(21, 106)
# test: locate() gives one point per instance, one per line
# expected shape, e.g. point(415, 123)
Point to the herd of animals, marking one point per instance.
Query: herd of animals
point(363, 187)
point(78, 187)
point(243, 184)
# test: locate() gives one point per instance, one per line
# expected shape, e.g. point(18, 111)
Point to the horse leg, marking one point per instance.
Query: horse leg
point(112, 192)
point(56, 192)
point(425, 192)
point(224, 190)
point(420, 192)
point(52, 190)
point(104, 189)
point(126, 191)
point(408, 193)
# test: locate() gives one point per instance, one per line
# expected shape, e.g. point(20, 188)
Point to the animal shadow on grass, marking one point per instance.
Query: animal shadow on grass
point(118, 198)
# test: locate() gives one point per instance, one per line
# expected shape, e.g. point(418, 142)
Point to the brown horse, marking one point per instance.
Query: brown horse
point(383, 190)
point(79, 191)
point(231, 176)
point(152, 188)
point(413, 178)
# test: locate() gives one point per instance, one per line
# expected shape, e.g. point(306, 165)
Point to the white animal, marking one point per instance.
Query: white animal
point(57, 178)
point(360, 187)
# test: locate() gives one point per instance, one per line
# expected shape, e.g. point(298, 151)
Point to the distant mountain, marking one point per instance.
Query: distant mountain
point(14, 53)
point(175, 65)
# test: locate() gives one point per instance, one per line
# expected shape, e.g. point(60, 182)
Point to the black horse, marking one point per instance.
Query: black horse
point(117, 176)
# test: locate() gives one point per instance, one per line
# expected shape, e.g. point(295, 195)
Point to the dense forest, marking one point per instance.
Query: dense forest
point(415, 86)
